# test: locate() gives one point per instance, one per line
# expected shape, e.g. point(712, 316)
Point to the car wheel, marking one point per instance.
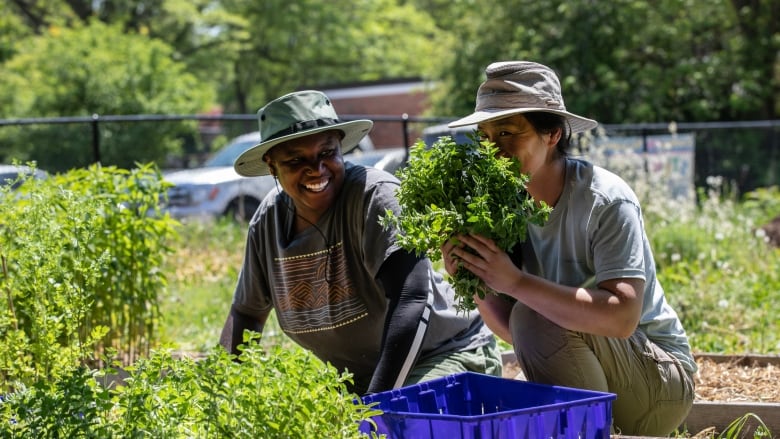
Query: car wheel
point(242, 209)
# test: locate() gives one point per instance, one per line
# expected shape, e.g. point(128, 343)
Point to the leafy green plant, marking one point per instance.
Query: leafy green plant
point(81, 259)
point(719, 272)
point(451, 189)
point(270, 393)
point(737, 428)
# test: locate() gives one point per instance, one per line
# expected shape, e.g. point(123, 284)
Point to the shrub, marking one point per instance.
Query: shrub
point(270, 393)
point(80, 269)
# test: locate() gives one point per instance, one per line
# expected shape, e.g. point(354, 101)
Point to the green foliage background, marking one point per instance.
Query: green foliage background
point(95, 69)
point(626, 61)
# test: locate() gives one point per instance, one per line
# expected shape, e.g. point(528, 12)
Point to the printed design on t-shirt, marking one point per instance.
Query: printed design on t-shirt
point(313, 292)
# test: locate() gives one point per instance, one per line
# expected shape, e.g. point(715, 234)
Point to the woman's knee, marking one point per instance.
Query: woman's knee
point(533, 335)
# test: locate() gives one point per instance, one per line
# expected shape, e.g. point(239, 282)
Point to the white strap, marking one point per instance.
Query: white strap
point(422, 328)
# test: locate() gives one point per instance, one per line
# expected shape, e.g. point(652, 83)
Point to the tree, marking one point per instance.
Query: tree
point(95, 69)
point(290, 44)
point(759, 26)
point(629, 60)
point(199, 32)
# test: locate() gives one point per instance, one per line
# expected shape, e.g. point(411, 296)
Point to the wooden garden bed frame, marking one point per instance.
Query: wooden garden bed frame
point(718, 415)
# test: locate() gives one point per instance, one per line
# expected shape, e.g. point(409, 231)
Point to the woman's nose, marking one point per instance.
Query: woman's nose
point(315, 166)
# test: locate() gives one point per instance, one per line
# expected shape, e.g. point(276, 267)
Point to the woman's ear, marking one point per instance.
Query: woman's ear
point(271, 166)
point(555, 136)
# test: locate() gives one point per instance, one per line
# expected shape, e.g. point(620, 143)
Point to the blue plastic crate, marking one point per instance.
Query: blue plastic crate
point(475, 406)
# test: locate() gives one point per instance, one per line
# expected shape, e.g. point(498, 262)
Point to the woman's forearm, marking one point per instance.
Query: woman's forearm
point(495, 311)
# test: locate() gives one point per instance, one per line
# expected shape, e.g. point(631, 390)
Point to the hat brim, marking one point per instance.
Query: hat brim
point(577, 124)
point(251, 163)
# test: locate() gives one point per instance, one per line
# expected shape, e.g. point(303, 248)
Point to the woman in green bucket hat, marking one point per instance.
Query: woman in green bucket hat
point(340, 286)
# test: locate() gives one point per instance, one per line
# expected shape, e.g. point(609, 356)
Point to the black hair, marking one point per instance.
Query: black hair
point(546, 123)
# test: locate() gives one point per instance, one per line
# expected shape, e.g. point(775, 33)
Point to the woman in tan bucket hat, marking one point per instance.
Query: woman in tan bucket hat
point(582, 305)
point(338, 283)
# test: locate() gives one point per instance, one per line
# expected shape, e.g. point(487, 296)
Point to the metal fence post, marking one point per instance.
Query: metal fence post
point(96, 137)
point(405, 127)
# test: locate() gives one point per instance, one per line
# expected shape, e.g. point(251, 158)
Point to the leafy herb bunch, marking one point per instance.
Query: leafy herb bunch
point(451, 189)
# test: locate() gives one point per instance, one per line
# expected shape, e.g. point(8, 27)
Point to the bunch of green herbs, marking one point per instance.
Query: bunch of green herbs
point(450, 189)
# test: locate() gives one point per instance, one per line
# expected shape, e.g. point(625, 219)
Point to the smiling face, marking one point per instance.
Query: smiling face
point(310, 170)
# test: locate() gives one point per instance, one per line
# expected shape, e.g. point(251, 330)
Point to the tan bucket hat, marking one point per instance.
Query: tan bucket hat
point(294, 115)
point(514, 87)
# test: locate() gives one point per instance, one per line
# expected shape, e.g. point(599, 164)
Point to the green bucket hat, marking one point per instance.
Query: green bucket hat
point(295, 115)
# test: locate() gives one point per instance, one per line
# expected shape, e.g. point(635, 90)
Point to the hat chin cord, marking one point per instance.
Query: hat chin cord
point(324, 238)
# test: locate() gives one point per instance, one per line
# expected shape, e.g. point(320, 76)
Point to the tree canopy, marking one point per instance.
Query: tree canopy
point(628, 61)
point(94, 69)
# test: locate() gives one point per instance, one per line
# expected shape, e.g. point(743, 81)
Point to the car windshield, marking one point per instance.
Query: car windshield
point(227, 155)
point(7, 178)
point(14, 178)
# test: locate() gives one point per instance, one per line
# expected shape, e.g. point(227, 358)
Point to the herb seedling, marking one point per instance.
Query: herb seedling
point(451, 189)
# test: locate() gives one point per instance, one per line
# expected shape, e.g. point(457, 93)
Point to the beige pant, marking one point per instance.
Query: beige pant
point(654, 392)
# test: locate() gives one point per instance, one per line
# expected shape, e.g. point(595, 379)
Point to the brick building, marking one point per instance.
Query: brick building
point(392, 99)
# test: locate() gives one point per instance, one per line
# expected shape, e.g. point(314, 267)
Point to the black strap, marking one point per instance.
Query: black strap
point(303, 126)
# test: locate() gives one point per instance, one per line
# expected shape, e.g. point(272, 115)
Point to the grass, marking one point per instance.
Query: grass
point(202, 275)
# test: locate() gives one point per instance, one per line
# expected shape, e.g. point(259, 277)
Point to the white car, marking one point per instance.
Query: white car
point(216, 190)
point(15, 175)
point(387, 159)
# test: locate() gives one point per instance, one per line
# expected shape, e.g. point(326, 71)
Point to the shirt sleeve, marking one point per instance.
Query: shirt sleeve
point(379, 243)
point(407, 283)
point(618, 244)
point(252, 294)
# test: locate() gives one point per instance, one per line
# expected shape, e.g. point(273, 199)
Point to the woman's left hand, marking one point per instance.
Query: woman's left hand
point(490, 263)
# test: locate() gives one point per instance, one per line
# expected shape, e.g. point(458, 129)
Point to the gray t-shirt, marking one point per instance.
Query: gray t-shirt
point(322, 283)
point(595, 233)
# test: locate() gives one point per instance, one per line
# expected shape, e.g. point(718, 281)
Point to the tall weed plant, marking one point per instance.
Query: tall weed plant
point(81, 258)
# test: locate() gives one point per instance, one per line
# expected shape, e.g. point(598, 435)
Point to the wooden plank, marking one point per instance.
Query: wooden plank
point(718, 415)
point(742, 360)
